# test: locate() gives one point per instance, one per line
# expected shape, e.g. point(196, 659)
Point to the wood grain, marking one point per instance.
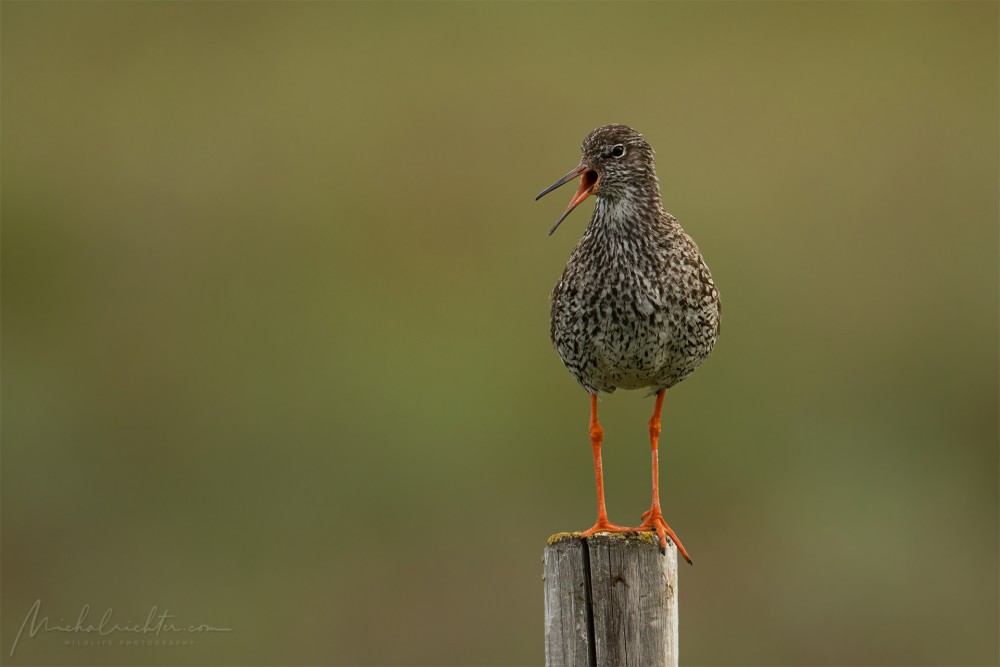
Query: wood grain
point(610, 601)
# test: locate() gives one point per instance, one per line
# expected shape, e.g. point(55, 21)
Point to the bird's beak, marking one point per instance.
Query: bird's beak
point(587, 186)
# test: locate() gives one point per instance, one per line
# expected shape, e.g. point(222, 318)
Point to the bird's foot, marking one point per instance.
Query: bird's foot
point(653, 521)
point(605, 526)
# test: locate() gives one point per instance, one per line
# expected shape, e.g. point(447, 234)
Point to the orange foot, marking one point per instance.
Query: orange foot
point(605, 526)
point(653, 521)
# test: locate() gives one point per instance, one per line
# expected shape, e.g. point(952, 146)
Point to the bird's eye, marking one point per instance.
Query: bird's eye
point(618, 151)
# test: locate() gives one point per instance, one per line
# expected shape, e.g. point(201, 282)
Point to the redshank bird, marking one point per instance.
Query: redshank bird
point(636, 306)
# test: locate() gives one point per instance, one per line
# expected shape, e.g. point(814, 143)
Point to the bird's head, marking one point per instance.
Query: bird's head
point(617, 162)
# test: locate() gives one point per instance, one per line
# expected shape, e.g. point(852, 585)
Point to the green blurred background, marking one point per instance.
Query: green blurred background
point(275, 324)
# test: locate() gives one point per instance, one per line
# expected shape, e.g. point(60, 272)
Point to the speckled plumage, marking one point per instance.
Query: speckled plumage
point(636, 306)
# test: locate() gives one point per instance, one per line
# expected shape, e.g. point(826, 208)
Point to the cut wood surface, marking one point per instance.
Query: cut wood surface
point(610, 601)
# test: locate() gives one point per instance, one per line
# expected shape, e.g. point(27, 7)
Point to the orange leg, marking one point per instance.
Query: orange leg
point(596, 438)
point(654, 516)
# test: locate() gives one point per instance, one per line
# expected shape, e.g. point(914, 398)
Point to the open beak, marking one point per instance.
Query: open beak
point(587, 186)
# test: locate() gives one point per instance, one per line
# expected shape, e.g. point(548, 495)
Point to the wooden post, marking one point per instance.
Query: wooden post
point(610, 601)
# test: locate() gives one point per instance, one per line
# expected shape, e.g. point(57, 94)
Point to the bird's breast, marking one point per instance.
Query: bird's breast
point(633, 315)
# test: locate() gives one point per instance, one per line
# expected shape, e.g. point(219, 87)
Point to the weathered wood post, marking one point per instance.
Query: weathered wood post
point(610, 601)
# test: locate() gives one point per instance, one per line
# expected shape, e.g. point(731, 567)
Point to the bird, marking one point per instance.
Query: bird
point(636, 306)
